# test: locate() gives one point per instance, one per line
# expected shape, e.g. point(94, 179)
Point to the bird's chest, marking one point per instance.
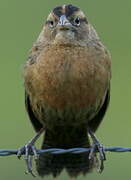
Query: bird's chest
point(66, 76)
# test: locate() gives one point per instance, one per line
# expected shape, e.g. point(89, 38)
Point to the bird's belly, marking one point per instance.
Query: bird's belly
point(62, 85)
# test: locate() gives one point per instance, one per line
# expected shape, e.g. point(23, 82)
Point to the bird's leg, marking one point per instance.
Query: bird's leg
point(29, 150)
point(97, 147)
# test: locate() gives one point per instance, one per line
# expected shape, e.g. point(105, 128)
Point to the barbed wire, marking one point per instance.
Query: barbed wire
point(9, 152)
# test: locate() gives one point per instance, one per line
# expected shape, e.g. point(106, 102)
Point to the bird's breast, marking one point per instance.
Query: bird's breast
point(67, 76)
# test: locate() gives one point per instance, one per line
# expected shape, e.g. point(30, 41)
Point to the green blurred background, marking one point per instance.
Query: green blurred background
point(20, 23)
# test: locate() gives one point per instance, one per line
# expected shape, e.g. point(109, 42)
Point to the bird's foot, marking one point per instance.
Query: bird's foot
point(29, 151)
point(97, 147)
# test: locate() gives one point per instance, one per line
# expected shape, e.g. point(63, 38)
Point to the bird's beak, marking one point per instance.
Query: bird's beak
point(64, 23)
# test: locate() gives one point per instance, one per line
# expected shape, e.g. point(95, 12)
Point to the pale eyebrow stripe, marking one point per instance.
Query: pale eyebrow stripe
point(64, 9)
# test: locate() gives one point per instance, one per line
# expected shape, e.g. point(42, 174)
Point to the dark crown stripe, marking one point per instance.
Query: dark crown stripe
point(69, 10)
point(57, 11)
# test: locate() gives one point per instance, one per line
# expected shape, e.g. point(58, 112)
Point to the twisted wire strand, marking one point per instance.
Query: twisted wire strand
point(9, 152)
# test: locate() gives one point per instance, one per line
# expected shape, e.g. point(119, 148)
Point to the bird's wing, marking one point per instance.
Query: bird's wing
point(35, 122)
point(95, 122)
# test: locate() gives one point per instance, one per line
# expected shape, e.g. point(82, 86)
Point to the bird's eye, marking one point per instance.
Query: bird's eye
point(51, 24)
point(77, 21)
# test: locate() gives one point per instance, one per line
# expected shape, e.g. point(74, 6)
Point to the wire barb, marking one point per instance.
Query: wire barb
point(9, 152)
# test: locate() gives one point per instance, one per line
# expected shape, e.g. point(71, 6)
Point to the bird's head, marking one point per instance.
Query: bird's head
point(66, 24)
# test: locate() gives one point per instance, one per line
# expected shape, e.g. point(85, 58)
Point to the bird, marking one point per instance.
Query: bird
point(67, 92)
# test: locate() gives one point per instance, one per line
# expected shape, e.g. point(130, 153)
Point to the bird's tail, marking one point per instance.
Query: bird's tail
point(75, 164)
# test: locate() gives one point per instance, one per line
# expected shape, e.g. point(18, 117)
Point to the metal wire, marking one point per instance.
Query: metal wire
point(9, 152)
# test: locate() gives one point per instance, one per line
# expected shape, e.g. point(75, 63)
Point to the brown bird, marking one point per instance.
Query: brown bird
point(67, 91)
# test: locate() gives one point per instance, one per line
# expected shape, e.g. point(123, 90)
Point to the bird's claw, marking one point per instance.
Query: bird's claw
point(97, 147)
point(29, 151)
